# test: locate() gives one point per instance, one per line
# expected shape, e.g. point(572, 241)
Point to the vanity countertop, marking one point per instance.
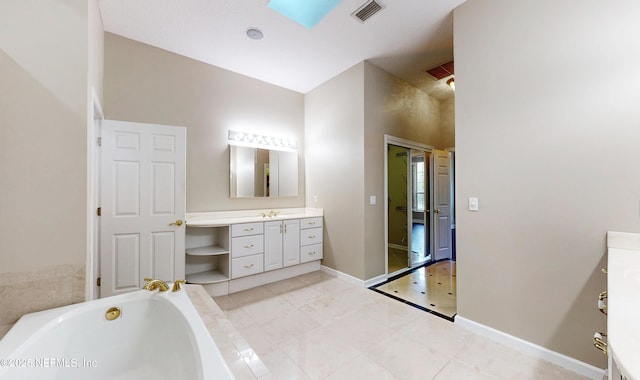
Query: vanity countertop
point(623, 302)
point(225, 218)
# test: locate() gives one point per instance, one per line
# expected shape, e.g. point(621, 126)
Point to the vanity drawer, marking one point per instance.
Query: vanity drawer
point(310, 236)
point(310, 223)
point(247, 245)
point(310, 253)
point(246, 266)
point(246, 229)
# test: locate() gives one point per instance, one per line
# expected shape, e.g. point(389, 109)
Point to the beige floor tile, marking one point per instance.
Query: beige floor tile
point(408, 359)
point(456, 370)
point(554, 372)
point(267, 309)
point(250, 296)
point(362, 368)
point(282, 367)
point(320, 327)
point(327, 309)
point(319, 354)
point(498, 360)
point(303, 296)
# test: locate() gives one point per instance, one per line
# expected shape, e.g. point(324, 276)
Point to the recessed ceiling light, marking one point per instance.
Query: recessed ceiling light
point(255, 33)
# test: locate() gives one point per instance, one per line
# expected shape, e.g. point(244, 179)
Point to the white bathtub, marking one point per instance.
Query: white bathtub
point(157, 336)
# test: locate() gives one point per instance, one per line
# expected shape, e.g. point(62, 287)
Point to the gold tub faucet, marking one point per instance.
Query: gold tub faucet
point(152, 284)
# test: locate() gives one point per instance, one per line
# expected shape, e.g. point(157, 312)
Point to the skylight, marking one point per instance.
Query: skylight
point(305, 12)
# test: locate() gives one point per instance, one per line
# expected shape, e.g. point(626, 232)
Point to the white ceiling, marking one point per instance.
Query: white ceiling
point(404, 38)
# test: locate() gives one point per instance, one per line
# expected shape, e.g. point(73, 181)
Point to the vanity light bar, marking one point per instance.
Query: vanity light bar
point(254, 140)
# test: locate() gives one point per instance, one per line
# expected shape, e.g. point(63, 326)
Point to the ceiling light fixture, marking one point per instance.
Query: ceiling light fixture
point(452, 83)
point(260, 141)
point(255, 33)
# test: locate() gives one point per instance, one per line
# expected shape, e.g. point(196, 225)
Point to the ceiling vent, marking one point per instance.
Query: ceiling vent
point(441, 71)
point(367, 10)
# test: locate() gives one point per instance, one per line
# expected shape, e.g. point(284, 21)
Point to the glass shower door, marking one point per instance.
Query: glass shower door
point(420, 201)
point(399, 238)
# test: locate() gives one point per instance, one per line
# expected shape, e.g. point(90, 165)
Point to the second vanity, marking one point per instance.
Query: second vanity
point(230, 251)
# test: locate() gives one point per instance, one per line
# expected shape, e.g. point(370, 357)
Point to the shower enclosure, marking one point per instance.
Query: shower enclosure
point(409, 199)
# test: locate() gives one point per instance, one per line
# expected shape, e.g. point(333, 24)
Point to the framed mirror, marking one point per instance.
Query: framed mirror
point(257, 172)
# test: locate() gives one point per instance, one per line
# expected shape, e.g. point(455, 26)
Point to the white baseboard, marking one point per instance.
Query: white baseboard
point(343, 276)
point(532, 349)
point(356, 281)
point(376, 280)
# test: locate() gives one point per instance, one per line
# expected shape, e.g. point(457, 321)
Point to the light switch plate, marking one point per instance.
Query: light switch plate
point(372, 200)
point(473, 204)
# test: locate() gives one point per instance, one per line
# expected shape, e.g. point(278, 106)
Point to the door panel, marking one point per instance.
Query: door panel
point(125, 258)
point(143, 183)
point(273, 245)
point(291, 247)
point(442, 205)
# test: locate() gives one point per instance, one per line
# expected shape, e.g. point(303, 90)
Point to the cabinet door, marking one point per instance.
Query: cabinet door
point(291, 242)
point(273, 232)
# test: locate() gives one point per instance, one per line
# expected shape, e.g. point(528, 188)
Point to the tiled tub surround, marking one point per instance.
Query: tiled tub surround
point(316, 326)
point(27, 292)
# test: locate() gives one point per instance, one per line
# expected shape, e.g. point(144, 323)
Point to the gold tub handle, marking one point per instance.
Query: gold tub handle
point(602, 306)
point(599, 343)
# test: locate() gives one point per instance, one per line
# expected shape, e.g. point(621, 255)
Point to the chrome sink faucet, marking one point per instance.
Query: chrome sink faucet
point(273, 213)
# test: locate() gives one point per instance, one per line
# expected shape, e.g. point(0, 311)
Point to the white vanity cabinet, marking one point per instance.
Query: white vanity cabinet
point(247, 249)
point(231, 251)
point(310, 239)
point(281, 244)
point(207, 254)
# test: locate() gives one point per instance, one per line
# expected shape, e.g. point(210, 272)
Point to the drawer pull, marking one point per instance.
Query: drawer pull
point(312, 223)
point(249, 246)
point(599, 343)
point(248, 266)
point(602, 306)
point(312, 236)
point(249, 229)
point(312, 253)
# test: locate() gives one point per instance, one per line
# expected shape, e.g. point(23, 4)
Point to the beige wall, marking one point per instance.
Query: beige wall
point(334, 123)
point(150, 85)
point(346, 120)
point(547, 138)
point(396, 108)
point(43, 119)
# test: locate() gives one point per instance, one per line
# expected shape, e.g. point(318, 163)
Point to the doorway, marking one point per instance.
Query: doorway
point(409, 198)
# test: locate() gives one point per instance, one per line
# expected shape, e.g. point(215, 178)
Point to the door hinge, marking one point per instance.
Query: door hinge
point(99, 141)
point(98, 281)
point(99, 211)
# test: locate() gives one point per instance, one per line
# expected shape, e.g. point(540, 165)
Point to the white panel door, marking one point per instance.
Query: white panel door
point(273, 245)
point(143, 192)
point(441, 205)
point(291, 253)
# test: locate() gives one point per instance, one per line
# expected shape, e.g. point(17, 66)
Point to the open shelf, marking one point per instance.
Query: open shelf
point(208, 277)
point(210, 250)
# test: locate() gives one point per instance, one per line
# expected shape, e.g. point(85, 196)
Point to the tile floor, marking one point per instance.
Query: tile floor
point(432, 287)
point(317, 326)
